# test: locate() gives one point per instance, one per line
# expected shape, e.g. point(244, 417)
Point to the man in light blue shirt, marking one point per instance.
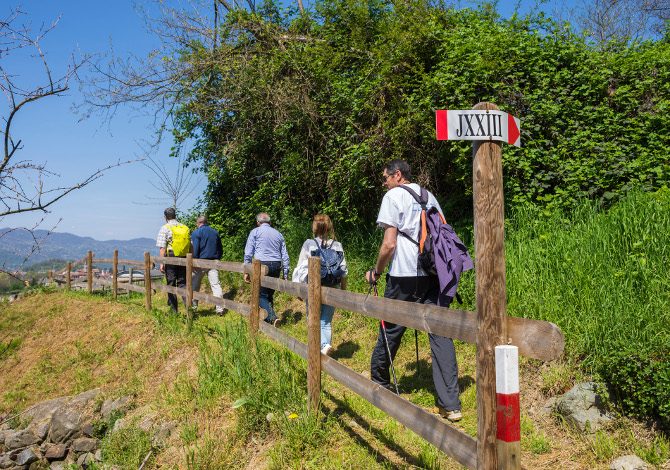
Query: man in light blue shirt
point(267, 245)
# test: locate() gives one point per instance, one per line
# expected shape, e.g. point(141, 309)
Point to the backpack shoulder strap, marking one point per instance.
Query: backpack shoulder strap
point(408, 237)
point(422, 200)
point(424, 197)
point(318, 245)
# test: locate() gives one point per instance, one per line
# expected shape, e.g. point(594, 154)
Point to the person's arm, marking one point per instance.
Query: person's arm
point(161, 252)
point(300, 271)
point(343, 266)
point(386, 251)
point(284, 258)
point(161, 243)
point(249, 252)
point(195, 244)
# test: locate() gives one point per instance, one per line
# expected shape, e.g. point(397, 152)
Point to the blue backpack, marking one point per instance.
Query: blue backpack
point(331, 261)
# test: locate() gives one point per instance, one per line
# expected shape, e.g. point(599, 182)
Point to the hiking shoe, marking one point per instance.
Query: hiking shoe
point(450, 415)
point(276, 322)
point(327, 350)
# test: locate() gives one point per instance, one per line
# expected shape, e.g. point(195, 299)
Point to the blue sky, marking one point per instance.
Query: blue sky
point(112, 207)
point(115, 206)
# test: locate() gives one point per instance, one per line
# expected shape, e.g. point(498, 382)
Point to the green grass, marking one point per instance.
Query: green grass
point(126, 447)
point(565, 269)
point(260, 376)
point(602, 276)
point(9, 347)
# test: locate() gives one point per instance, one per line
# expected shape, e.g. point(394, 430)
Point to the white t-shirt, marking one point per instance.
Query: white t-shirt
point(400, 210)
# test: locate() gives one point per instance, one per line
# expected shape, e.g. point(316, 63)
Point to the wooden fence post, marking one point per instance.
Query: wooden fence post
point(68, 279)
point(189, 288)
point(89, 262)
point(115, 274)
point(147, 280)
point(50, 276)
point(508, 413)
point(314, 333)
point(255, 296)
point(490, 286)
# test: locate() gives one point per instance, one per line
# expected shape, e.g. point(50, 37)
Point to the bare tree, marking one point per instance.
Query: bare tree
point(623, 20)
point(175, 188)
point(23, 183)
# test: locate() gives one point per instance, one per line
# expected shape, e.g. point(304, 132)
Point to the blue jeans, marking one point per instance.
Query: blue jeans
point(327, 312)
point(266, 299)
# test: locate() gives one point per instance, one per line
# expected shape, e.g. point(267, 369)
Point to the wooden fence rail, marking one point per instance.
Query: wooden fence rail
point(537, 339)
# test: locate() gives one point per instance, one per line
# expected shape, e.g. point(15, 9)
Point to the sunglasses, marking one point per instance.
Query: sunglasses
point(385, 178)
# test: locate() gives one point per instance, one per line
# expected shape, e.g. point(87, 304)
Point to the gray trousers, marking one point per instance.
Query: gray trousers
point(425, 290)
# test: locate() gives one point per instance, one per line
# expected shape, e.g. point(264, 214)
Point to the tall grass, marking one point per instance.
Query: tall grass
point(261, 377)
point(602, 276)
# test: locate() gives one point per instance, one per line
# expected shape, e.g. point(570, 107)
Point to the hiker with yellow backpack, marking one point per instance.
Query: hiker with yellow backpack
point(173, 240)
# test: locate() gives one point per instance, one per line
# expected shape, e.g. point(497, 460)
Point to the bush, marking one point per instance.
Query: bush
point(640, 383)
point(304, 126)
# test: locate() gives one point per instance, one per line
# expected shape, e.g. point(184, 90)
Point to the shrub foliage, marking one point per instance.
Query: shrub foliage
point(297, 113)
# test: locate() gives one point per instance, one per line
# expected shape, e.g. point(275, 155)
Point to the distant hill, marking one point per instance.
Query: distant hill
point(16, 244)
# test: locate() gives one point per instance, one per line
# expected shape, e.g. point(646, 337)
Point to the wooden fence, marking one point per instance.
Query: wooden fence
point(536, 339)
point(488, 328)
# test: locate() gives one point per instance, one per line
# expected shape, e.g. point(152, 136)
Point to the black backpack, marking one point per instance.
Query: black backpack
point(331, 261)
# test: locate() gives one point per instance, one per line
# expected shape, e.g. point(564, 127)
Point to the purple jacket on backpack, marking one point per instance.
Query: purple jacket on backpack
point(451, 256)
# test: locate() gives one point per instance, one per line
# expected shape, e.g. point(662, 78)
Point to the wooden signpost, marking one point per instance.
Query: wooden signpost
point(487, 127)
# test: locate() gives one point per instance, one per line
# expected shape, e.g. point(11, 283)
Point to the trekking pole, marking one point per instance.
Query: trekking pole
point(388, 350)
point(373, 287)
point(416, 344)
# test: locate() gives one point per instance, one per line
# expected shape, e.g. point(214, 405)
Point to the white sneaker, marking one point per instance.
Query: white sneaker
point(327, 350)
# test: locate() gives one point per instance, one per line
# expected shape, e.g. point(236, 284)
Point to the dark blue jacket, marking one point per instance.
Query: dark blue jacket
point(206, 243)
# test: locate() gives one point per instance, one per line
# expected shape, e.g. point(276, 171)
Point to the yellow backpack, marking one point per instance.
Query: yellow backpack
point(181, 239)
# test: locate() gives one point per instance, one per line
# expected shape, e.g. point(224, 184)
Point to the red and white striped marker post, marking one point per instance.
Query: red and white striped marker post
point(508, 435)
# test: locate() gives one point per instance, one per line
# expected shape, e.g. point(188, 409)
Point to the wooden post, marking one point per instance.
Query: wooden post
point(147, 280)
point(508, 413)
point(50, 276)
point(490, 286)
point(115, 274)
point(89, 262)
point(314, 333)
point(255, 296)
point(68, 279)
point(130, 280)
point(189, 288)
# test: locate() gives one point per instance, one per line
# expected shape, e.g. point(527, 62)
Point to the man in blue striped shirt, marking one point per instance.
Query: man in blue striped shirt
point(267, 245)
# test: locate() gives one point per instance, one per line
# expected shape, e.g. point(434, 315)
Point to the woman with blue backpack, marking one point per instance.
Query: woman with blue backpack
point(333, 270)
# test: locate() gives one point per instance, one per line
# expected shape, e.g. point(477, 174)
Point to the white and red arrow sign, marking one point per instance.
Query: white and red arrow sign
point(473, 124)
